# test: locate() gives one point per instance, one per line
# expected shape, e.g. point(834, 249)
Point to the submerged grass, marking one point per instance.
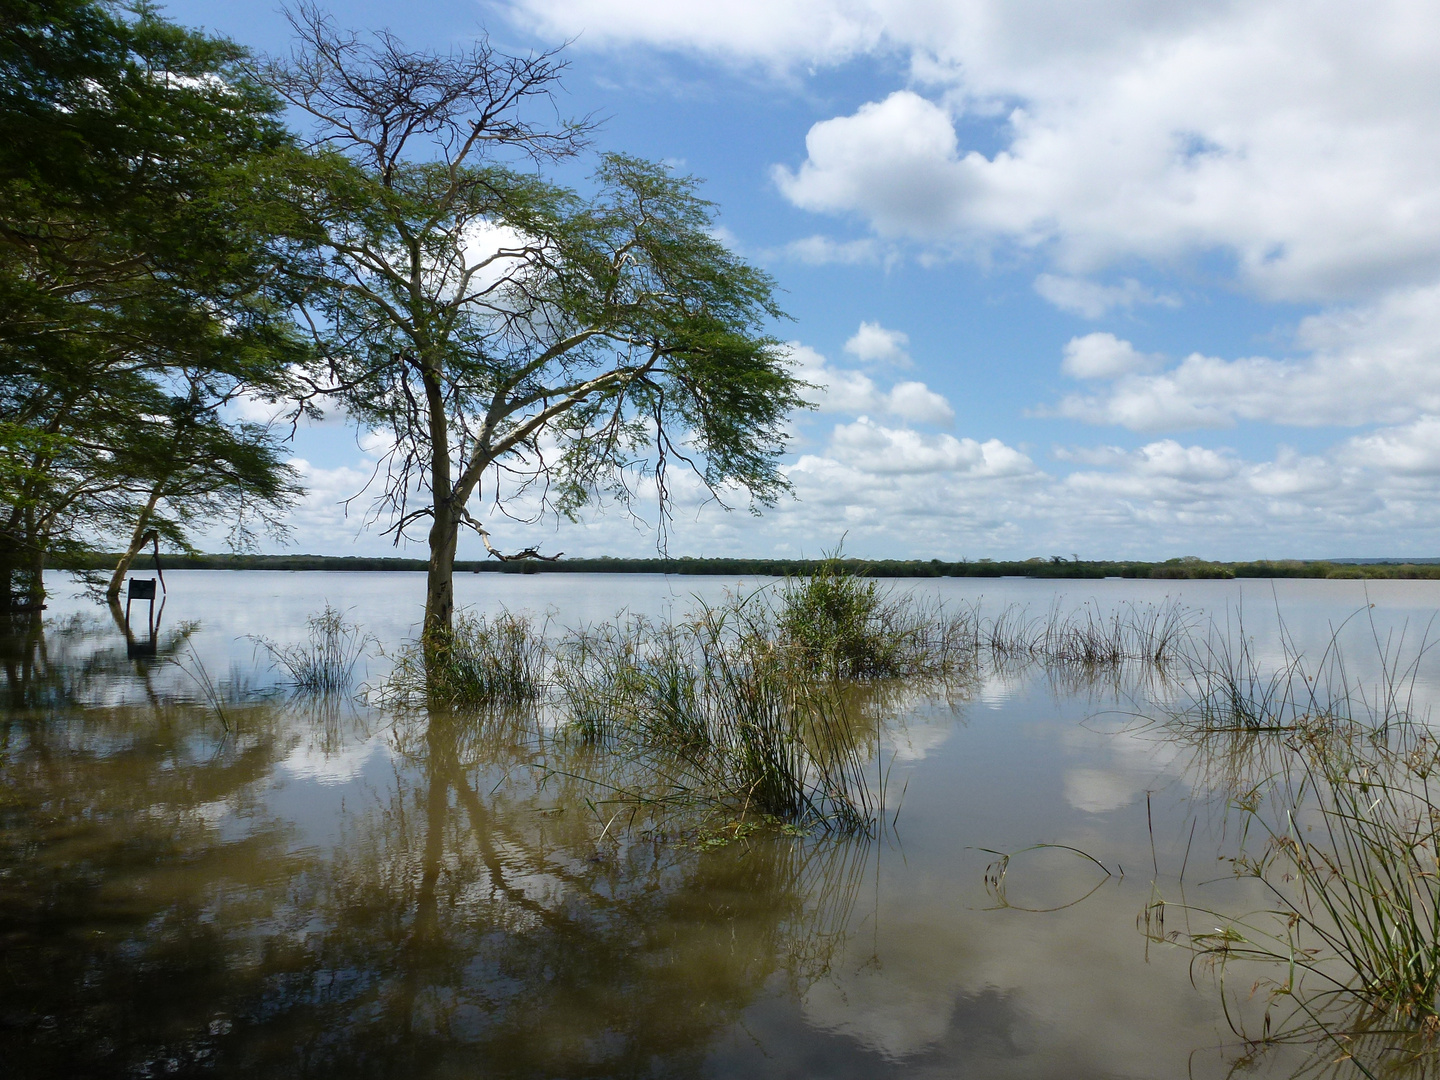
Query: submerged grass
point(1343, 835)
point(724, 715)
point(1346, 852)
point(482, 661)
point(754, 706)
point(1230, 685)
point(1159, 634)
point(326, 663)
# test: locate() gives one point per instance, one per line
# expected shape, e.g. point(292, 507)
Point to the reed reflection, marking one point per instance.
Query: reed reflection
point(497, 920)
point(166, 911)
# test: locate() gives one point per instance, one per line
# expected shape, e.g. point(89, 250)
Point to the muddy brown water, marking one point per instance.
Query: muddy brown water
point(202, 876)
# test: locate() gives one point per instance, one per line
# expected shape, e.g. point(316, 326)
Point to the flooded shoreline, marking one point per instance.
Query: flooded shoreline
point(318, 886)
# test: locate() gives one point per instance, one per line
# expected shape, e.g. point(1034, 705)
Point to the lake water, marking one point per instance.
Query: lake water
point(199, 875)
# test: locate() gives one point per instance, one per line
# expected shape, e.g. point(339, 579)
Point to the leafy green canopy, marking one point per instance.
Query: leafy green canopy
point(565, 338)
point(486, 317)
point(137, 284)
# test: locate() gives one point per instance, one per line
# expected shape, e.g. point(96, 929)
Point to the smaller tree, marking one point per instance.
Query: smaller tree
point(137, 273)
point(188, 466)
point(486, 318)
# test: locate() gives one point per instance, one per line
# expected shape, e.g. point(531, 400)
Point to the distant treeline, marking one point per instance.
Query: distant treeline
point(1187, 568)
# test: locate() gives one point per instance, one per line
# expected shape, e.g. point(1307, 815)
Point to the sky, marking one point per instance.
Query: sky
point(1129, 278)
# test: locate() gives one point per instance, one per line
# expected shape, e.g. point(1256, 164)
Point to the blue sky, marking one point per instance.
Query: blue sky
point(1127, 278)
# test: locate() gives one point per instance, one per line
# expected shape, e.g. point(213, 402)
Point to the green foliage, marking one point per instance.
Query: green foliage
point(327, 664)
point(480, 662)
point(497, 323)
point(846, 627)
point(137, 286)
point(736, 567)
point(841, 625)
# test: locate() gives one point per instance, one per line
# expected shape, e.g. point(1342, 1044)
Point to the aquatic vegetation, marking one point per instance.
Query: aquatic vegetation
point(1230, 685)
point(326, 663)
point(997, 876)
point(767, 703)
point(480, 661)
point(1343, 834)
point(1346, 851)
point(779, 742)
point(1158, 634)
point(746, 706)
point(849, 627)
point(715, 713)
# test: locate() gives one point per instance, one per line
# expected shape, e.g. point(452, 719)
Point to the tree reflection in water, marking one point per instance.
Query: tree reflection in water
point(163, 912)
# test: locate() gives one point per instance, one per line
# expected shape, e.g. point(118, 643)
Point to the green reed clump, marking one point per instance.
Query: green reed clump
point(715, 713)
point(1089, 637)
point(841, 625)
point(847, 627)
point(482, 661)
point(670, 689)
point(326, 663)
point(1369, 882)
point(1231, 687)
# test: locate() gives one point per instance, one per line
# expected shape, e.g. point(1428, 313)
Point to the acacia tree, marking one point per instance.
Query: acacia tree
point(135, 273)
point(189, 465)
point(486, 318)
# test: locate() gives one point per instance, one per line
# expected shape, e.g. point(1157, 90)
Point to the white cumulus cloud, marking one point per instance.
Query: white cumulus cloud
point(1375, 363)
point(1409, 450)
point(880, 449)
point(1092, 300)
point(1102, 356)
point(841, 390)
point(893, 162)
point(1302, 139)
point(872, 343)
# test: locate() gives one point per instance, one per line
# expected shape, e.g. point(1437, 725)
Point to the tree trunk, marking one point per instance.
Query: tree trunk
point(440, 582)
point(8, 566)
point(445, 525)
point(137, 541)
point(35, 554)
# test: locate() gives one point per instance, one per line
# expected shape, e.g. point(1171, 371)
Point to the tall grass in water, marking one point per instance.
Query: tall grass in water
point(631, 676)
point(1346, 851)
point(1230, 684)
point(1158, 634)
point(481, 661)
point(1344, 837)
point(749, 706)
point(848, 627)
point(780, 740)
point(722, 714)
point(326, 663)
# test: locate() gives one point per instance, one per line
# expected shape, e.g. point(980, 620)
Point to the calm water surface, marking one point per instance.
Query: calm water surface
point(200, 875)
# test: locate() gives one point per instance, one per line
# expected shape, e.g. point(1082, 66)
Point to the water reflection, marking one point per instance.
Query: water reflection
point(135, 847)
point(492, 928)
point(200, 874)
point(160, 916)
